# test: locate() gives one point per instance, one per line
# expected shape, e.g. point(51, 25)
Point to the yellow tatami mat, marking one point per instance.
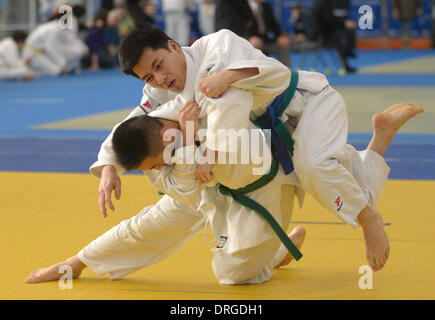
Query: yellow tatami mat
point(49, 217)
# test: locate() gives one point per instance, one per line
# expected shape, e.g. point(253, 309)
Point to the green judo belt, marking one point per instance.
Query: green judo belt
point(272, 121)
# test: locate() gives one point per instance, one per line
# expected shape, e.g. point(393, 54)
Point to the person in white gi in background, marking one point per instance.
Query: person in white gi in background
point(174, 64)
point(177, 20)
point(12, 66)
point(50, 50)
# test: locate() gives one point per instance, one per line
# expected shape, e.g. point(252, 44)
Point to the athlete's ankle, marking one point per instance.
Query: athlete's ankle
point(367, 217)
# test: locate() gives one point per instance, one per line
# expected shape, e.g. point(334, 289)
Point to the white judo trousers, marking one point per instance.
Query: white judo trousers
point(339, 177)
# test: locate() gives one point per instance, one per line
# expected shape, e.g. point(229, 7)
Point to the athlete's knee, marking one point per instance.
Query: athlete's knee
point(250, 265)
point(308, 165)
point(236, 274)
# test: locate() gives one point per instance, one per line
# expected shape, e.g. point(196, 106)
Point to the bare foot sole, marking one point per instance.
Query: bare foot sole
point(394, 117)
point(377, 243)
point(52, 273)
point(297, 236)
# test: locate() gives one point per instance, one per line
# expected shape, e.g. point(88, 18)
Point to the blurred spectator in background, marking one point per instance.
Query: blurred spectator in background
point(150, 10)
point(142, 12)
point(255, 21)
point(266, 32)
point(112, 36)
point(12, 65)
point(405, 11)
point(298, 19)
point(335, 28)
point(304, 30)
point(51, 50)
point(107, 5)
point(234, 15)
point(98, 56)
point(126, 21)
point(177, 20)
point(45, 9)
point(206, 10)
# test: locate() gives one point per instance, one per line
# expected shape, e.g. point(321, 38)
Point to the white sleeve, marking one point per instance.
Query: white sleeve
point(179, 180)
point(107, 156)
point(228, 112)
point(227, 51)
point(272, 80)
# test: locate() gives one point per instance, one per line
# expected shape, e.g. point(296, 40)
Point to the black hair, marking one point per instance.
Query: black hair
point(136, 139)
point(101, 15)
point(77, 11)
point(19, 36)
point(136, 41)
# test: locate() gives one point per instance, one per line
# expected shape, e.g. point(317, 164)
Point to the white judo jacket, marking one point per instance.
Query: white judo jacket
point(12, 66)
point(212, 53)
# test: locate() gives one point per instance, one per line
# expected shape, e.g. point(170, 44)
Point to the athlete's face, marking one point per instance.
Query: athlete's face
point(167, 138)
point(164, 69)
point(152, 162)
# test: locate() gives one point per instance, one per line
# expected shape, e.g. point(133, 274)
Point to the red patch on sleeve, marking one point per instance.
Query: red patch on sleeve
point(147, 105)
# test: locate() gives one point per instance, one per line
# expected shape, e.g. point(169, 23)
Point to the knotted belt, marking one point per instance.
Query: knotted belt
point(282, 148)
point(282, 142)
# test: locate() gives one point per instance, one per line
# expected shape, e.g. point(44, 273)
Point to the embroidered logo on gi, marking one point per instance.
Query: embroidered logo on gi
point(222, 242)
point(147, 105)
point(339, 203)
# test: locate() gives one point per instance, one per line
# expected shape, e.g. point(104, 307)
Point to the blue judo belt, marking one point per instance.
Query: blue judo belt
point(282, 142)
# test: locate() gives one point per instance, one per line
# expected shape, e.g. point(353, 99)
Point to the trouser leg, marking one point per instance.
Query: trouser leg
point(320, 140)
point(251, 265)
point(147, 238)
point(41, 65)
point(255, 264)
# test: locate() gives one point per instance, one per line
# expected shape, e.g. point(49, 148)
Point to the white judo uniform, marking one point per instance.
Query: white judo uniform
point(362, 174)
point(52, 50)
point(12, 66)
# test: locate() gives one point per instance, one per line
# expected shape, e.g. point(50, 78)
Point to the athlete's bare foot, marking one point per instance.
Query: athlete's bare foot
point(387, 123)
point(376, 240)
point(297, 236)
point(52, 272)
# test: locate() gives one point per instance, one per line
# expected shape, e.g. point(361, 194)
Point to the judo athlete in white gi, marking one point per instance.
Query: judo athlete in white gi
point(174, 70)
point(12, 65)
point(50, 50)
